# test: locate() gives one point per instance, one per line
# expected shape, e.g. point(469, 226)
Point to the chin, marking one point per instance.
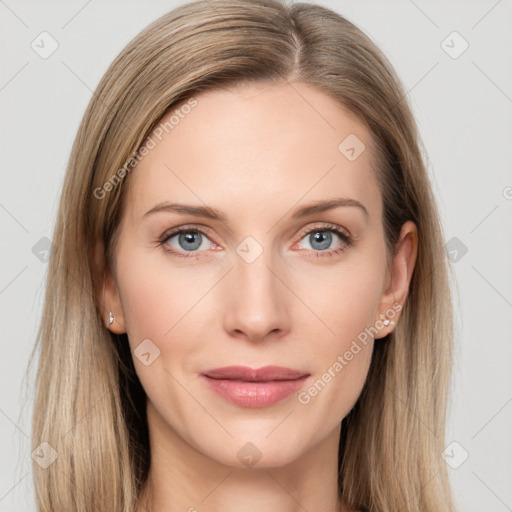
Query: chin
point(257, 451)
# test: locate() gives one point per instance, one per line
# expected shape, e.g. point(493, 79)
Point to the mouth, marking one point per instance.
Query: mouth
point(248, 387)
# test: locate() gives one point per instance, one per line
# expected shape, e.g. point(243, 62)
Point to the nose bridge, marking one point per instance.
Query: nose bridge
point(257, 305)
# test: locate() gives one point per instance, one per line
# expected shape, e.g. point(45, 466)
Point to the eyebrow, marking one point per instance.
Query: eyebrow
point(196, 211)
point(215, 214)
point(322, 206)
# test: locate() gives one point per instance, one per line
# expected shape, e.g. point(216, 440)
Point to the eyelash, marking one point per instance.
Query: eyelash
point(346, 238)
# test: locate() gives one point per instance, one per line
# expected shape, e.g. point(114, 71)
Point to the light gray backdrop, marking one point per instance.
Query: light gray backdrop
point(455, 59)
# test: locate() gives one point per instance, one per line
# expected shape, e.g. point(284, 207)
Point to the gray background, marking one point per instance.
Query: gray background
point(464, 109)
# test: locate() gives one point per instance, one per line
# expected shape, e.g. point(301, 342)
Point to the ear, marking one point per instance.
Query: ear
point(108, 295)
point(398, 279)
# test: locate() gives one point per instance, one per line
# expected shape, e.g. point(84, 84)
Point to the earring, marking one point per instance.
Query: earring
point(110, 318)
point(387, 322)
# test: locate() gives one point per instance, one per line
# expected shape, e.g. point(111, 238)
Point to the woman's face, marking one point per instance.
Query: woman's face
point(266, 281)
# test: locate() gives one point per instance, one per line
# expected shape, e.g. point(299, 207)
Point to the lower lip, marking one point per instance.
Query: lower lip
point(255, 394)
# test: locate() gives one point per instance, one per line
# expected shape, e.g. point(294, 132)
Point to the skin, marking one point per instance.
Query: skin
point(257, 152)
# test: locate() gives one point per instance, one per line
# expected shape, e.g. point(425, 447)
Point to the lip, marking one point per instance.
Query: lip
point(260, 387)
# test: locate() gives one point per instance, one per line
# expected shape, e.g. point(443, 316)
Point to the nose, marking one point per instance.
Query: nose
point(256, 306)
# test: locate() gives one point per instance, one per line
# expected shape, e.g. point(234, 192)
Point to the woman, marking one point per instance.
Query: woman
point(247, 306)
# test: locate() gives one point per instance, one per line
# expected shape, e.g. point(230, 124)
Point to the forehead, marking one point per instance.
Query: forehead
point(252, 145)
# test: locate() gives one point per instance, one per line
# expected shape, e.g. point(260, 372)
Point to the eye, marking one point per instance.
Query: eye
point(320, 238)
point(186, 240)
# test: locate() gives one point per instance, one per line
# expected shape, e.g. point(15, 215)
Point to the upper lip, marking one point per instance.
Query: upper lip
point(263, 374)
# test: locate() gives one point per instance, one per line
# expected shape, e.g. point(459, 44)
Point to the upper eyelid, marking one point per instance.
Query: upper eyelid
point(174, 231)
point(326, 227)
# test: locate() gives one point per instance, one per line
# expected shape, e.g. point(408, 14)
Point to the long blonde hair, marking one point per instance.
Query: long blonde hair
point(89, 403)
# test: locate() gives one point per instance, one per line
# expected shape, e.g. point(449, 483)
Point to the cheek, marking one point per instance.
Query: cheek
point(346, 308)
point(344, 300)
point(162, 303)
point(157, 296)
